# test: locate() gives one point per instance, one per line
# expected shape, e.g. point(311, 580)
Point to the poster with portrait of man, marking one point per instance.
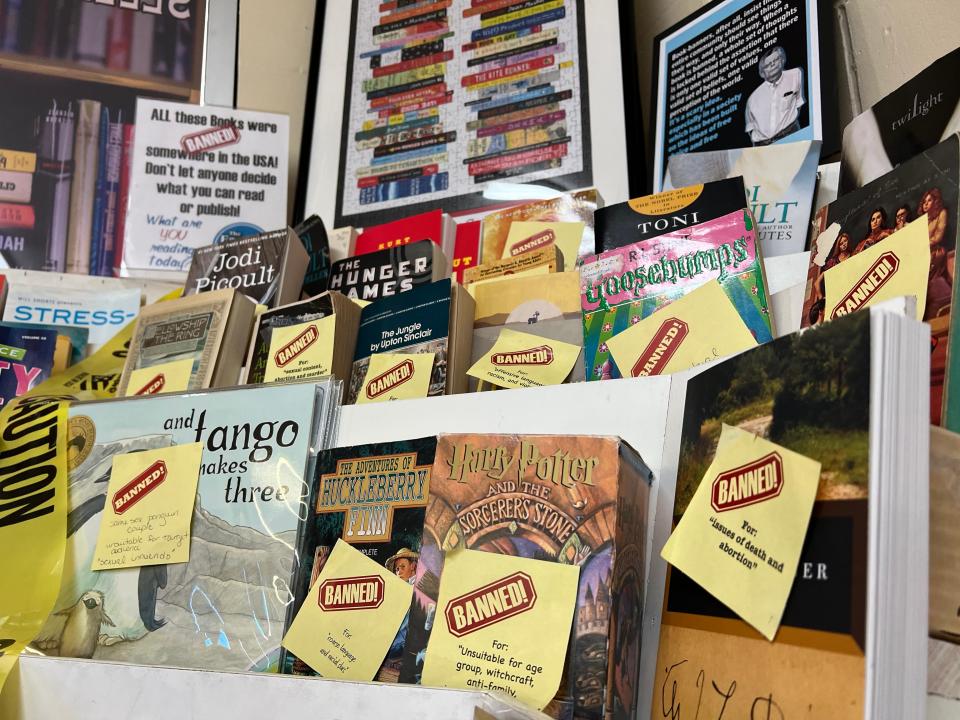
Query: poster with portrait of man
point(736, 74)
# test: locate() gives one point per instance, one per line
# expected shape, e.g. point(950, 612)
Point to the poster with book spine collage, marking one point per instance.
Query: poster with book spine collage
point(442, 98)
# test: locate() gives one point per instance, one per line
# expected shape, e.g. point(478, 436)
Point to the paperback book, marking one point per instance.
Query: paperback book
point(388, 272)
point(313, 235)
point(28, 358)
point(435, 226)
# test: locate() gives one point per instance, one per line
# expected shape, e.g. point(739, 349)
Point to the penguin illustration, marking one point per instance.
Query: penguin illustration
point(80, 632)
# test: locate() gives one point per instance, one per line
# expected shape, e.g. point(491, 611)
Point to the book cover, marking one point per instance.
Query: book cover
point(386, 528)
point(55, 130)
point(342, 242)
point(916, 116)
point(141, 48)
point(119, 34)
point(928, 184)
point(111, 190)
point(625, 285)
point(268, 268)
point(15, 187)
point(222, 610)
point(578, 500)
point(313, 235)
point(387, 272)
point(466, 248)
point(212, 329)
point(28, 359)
point(86, 151)
point(78, 338)
point(426, 226)
point(91, 42)
point(646, 217)
point(100, 193)
point(422, 320)
point(123, 194)
point(816, 665)
point(779, 181)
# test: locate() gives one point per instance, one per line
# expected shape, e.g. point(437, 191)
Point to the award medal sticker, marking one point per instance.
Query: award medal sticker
point(350, 617)
point(741, 535)
point(81, 437)
point(394, 376)
point(519, 360)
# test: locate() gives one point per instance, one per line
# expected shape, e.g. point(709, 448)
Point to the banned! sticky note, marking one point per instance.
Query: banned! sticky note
point(502, 624)
point(301, 351)
point(741, 535)
point(350, 616)
point(896, 266)
point(699, 327)
point(525, 236)
point(393, 376)
point(519, 360)
point(163, 378)
point(149, 507)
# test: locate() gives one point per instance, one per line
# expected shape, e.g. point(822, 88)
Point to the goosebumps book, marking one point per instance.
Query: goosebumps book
point(224, 609)
point(621, 287)
point(579, 500)
point(373, 497)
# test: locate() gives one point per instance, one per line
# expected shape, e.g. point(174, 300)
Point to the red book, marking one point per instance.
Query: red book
point(427, 226)
point(466, 249)
point(119, 32)
point(20, 217)
point(126, 163)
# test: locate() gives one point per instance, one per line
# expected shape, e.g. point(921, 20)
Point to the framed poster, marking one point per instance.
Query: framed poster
point(417, 106)
point(738, 73)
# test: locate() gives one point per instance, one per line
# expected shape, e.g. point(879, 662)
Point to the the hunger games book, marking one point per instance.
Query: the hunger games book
point(435, 318)
point(928, 184)
point(580, 500)
point(373, 497)
point(268, 268)
point(389, 272)
point(211, 328)
point(224, 609)
point(622, 286)
point(668, 211)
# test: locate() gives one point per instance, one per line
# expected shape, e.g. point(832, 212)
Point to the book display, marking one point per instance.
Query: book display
point(465, 410)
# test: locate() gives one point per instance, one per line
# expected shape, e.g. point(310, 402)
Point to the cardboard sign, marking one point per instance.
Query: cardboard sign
point(526, 236)
point(163, 378)
point(696, 329)
point(519, 360)
point(350, 616)
point(896, 266)
point(395, 376)
point(149, 508)
point(301, 351)
point(200, 175)
point(741, 535)
point(502, 624)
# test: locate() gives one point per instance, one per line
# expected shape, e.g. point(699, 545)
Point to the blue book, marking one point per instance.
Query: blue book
point(100, 198)
point(111, 192)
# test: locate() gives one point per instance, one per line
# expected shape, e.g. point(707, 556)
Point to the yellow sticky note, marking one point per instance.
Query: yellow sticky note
point(360, 303)
point(502, 624)
point(896, 266)
point(519, 360)
point(350, 616)
point(163, 378)
point(394, 376)
point(149, 507)
point(741, 535)
point(539, 270)
point(525, 236)
point(301, 351)
point(699, 327)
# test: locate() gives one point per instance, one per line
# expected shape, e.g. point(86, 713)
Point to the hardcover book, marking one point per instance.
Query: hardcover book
point(385, 527)
point(779, 180)
point(313, 235)
point(579, 500)
point(435, 318)
point(330, 350)
point(466, 252)
point(222, 610)
point(268, 268)
point(29, 355)
point(388, 272)
point(15, 187)
point(669, 211)
point(211, 329)
point(435, 226)
point(622, 286)
point(86, 150)
point(52, 196)
point(925, 185)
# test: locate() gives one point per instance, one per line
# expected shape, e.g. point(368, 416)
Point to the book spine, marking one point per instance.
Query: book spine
point(41, 43)
point(21, 217)
point(15, 187)
point(25, 25)
point(118, 46)
point(141, 46)
point(111, 189)
point(12, 25)
point(96, 233)
point(18, 161)
point(164, 46)
point(123, 197)
point(84, 190)
point(54, 176)
point(183, 52)
point(91, 41)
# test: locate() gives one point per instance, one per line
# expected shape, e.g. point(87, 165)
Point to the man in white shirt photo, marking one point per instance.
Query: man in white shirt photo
point(773, 109)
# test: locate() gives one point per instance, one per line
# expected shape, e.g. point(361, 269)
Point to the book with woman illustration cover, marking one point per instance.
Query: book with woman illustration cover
point(926, 185)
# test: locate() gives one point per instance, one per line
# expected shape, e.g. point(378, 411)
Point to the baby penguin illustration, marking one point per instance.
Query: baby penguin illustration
point(80, 632)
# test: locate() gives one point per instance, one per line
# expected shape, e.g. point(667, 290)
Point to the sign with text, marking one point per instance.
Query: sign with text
point(519, 360)
point(200, 175)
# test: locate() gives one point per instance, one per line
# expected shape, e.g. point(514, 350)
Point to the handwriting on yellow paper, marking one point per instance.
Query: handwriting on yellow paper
point(393, 376)
point(525, 236)
point(301, 351)
point(741, 535)
point(350, 616)
point(519, 360)
point(149, 507)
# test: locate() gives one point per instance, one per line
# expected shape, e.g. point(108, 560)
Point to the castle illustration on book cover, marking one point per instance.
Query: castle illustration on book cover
point(224, 609)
